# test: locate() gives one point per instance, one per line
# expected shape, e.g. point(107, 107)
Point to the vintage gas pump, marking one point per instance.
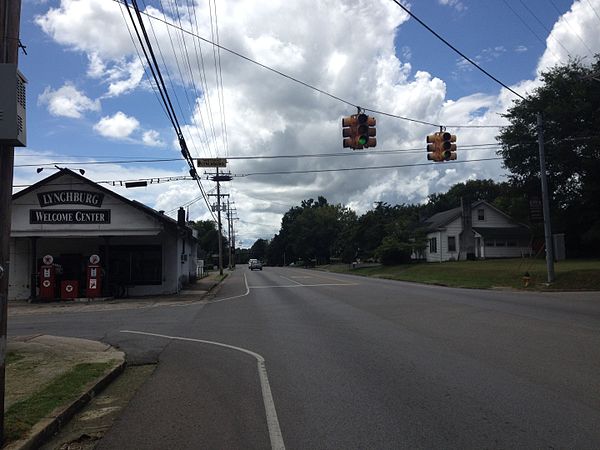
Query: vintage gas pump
point(94, 277)
point(47, 278)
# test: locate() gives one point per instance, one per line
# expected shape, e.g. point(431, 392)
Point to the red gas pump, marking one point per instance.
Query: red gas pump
point(47, 278)
point(94, 277)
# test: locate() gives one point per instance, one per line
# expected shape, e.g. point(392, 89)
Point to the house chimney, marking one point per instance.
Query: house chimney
point(466, 238)
point(181, 217)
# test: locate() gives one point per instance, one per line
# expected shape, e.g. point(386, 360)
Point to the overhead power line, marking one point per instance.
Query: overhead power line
point(473, 147)
point(156, 73)
point(455, 49)
point(348, 169)
point(321, 91)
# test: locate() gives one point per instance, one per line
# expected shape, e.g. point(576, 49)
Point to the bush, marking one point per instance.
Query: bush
point(392, 251)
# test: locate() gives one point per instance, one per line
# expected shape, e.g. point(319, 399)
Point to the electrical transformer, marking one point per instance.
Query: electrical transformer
point(12, 106)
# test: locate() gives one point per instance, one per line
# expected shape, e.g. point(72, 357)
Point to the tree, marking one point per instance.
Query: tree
point(569, 101)
point(315, 230)
point(471, 190)
point(208, 239)
point(259, 249)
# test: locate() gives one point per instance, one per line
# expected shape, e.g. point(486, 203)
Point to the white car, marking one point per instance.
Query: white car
point(255, 264)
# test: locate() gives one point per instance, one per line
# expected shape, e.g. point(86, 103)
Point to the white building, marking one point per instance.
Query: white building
point(67, 216)
point(478, 230)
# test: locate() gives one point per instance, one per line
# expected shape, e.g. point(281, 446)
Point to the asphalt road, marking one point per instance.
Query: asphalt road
point(312, 360)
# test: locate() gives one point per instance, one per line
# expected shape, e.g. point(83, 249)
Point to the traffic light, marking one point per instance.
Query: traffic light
point(440, 146)
point(433, 147)
point(349, 125)
point(448, 148)
point(359, 131)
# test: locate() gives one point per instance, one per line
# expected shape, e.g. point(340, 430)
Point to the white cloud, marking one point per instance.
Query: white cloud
point(92, 26)
point(484, 56)
point(520, 49)
point(118, 126)
point(67, 101)
point(457, 4)
point(574, 34)
point(151, 138)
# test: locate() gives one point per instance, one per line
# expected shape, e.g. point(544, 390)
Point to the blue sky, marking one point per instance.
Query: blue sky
point(88, 100)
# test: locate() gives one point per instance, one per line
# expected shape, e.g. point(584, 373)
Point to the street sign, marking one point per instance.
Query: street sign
point(211, 162)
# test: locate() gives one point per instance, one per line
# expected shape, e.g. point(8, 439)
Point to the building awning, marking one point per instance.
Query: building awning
point(519, 233)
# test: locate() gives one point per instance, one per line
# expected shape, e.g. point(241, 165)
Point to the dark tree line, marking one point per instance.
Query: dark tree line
point(317, 232)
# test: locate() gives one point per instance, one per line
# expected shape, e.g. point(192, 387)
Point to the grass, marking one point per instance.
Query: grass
point(13, 357)
point(488, 274)
point(23, 415)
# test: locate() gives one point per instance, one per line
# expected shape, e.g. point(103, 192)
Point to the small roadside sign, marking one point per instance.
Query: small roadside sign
point(211, 162)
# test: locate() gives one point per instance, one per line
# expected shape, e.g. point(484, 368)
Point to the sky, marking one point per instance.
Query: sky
point(91, 98)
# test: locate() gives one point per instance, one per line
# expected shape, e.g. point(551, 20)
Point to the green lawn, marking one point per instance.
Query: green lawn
point(21, 416)
point(488, 274)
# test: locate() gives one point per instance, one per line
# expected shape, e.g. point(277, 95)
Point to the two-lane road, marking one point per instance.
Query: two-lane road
point(306, 359)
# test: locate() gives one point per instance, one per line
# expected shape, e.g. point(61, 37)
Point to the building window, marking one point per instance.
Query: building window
point(451, 243)
point(500, 243)
point(433, 245)
point(511, 244)
point(136, 264)
point(481, 214)
point(489, 243)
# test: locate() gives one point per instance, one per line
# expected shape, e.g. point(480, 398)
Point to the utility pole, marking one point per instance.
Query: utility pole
point(230, 220)
point(10, 15)
point(220, 228)
point(229, 234)
point(545, 201)
point(218, 178)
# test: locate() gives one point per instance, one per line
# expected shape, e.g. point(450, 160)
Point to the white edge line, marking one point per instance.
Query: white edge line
point(271, 414)
point(235, 296)
point(303, 285)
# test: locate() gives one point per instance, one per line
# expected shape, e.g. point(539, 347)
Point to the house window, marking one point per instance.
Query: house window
point(451, 243)
point(433, 245)
point(481, 214)
point(511, 244)
point(500, 243)
point(489, 242)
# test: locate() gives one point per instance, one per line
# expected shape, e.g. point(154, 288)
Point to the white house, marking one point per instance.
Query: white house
point(479, 230)
point(73, 219)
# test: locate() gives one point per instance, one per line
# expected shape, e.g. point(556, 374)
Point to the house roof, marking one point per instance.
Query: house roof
point(440, 220)
point(518, 232)
point(140, 206)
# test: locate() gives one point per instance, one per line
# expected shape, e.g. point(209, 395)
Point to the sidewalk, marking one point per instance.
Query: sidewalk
point(41, 369)
point(193, 292)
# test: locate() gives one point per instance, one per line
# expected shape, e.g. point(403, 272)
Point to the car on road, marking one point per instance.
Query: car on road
point(255, 264)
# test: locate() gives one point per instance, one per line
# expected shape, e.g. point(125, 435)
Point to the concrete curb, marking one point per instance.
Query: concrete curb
point(47, 427)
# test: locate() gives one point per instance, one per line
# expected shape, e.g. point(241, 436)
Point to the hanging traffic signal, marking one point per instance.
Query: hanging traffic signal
point(349, 125)
point(359, 131)
point(448, 148)
point(441, 147)
point(434, 147)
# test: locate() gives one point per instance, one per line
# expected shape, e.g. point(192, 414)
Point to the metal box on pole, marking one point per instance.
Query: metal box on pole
point(12, 106)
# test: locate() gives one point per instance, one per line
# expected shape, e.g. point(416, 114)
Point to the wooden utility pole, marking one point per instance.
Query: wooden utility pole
point(10, 14)
point(218, 178)
point(545, 201)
